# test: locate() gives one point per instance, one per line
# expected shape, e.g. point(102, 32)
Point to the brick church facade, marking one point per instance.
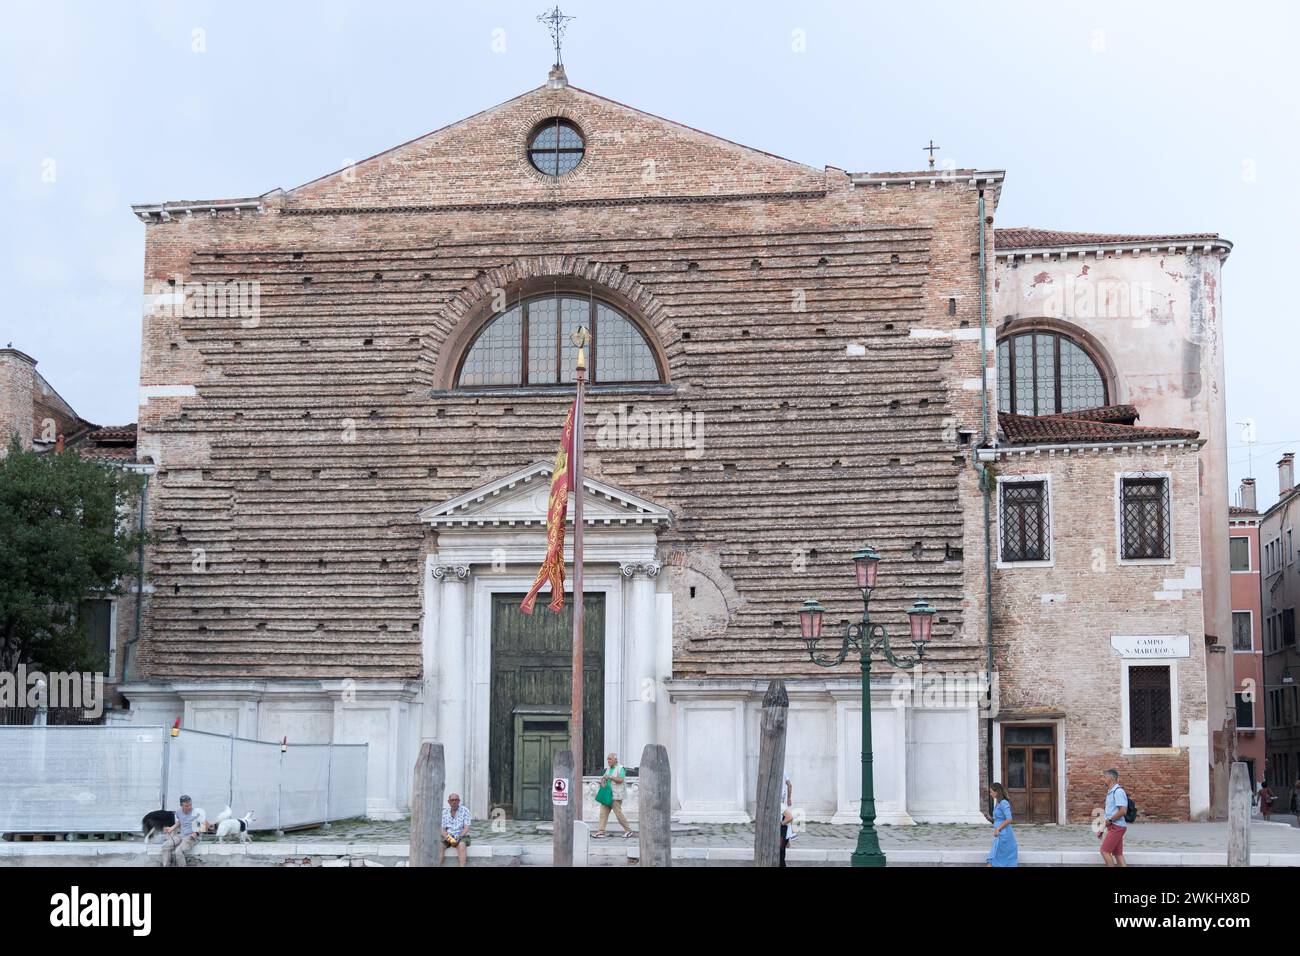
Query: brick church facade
point(351, 393)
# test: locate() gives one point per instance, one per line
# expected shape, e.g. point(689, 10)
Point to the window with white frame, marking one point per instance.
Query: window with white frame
point(1245, 712)
point(1150, 706)
point(1239, 552)
point(1144, 517)
point(1024, 511)
point(1241, 637)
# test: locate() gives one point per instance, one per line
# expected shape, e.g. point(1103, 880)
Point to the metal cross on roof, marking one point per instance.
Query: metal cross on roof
point(555, 22)
point(930, 149)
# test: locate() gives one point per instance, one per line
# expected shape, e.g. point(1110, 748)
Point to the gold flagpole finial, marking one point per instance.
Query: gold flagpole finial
point(580, 338)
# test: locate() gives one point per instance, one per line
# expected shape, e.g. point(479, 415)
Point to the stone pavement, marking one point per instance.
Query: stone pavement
point(513, 843)
point(1274, 837)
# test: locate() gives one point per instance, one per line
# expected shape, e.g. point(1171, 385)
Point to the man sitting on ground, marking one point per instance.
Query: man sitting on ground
point(182, 835)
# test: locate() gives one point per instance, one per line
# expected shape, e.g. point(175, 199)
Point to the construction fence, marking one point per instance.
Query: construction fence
point(104, 778)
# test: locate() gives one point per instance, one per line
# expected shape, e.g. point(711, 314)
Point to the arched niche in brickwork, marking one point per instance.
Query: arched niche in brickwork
point(1085, 340)
point(466, 313)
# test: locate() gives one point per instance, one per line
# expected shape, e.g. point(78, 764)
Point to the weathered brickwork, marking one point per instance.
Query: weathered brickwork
point(1053, 625)
point(17, 383)
point(810, 321)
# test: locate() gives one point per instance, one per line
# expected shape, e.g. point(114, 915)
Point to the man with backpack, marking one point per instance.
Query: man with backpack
point(1120, 812)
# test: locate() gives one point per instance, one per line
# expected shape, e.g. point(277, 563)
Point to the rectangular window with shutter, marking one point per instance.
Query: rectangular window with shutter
point(1239, 549)
point(1025, 530)
point(96, 617)
point(1245, 712)
point(1144, 518)
point(1150, 707)
point(1288, 627)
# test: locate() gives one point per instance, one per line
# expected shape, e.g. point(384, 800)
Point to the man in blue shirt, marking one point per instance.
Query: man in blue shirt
point(1112, 838)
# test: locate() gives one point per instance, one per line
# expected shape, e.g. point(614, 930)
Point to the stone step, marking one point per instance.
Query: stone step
point(615, 853)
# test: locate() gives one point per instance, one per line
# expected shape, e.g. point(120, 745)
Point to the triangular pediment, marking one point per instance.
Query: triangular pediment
point(519, 499)
point(482, 162)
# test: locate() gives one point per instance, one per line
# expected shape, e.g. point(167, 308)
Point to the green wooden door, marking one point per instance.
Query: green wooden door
point(532, 666)
point(538, 738)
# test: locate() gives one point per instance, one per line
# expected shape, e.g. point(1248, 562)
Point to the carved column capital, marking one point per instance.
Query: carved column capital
point(440, 571)
point(630, 568)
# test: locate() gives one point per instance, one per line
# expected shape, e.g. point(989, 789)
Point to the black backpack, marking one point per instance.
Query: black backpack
point(1131, 811)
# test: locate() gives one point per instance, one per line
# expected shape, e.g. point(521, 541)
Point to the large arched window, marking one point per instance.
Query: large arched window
point(530, 344)
point(1044, 373)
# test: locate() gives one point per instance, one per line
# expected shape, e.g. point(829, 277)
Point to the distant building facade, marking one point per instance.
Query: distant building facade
point(1280, 595)
point(33, 411)
point(1247, 630)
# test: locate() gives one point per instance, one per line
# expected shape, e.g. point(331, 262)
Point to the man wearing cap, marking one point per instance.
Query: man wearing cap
point(183, 834)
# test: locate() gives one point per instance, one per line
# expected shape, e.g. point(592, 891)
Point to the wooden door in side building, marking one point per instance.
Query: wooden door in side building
point(1029, 772)
point(532, 677)
point(539, 735)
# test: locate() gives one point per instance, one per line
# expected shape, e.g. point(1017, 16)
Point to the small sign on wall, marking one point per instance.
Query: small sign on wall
point(1157, 646)
point(560, 792)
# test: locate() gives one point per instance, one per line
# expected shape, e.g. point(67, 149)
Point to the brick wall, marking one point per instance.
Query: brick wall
point(17, 383)
point(825, 427)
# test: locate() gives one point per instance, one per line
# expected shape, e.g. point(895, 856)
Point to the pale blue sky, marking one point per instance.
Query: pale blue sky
point(1107, 116)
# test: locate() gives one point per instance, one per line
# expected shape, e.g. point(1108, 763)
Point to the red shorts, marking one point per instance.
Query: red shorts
point(1113, 842)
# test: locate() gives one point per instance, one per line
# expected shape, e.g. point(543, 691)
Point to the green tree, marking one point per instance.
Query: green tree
point(66, 533)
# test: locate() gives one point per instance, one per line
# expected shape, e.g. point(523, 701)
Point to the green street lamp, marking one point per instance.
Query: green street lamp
point(866, 636)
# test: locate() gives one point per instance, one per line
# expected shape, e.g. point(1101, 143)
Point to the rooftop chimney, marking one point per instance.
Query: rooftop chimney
point(1248, 494)
point(1285, 474)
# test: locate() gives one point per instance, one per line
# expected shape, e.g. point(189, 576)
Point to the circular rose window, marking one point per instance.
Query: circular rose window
point(555, 147)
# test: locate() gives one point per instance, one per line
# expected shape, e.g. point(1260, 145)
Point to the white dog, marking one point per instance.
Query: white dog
point(228, 827)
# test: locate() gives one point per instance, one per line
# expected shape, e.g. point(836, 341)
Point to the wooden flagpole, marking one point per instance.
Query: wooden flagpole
point(580, 339)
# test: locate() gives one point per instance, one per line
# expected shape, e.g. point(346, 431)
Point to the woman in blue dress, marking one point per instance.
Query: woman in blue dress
point(1005, 852)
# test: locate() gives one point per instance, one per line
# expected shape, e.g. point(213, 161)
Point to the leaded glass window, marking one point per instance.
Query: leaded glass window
point(531, 344)
point(494, 359)
point(1150, 710)
point(1024, 521)
point(556, 147)
point(1045, 373)
point(1144, 517)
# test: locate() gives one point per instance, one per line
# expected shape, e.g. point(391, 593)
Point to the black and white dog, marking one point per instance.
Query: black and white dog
point(155, 821)
point(228, 827)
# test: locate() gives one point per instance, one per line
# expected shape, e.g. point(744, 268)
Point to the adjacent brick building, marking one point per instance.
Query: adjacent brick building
point(42, 420)
point(1097, 615)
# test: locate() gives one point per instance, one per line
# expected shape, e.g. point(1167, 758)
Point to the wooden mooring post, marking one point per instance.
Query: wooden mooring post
point(655, 807)
point(563, 814)
point(771, 775)
point(1238, 815)
point(426, 805)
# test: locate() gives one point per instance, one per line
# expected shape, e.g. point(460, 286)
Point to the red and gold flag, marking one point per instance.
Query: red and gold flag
point(557, 509)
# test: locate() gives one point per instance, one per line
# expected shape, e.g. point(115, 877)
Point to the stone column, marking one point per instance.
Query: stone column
point(453, 673)
point(641, 687)
point(429, 654)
